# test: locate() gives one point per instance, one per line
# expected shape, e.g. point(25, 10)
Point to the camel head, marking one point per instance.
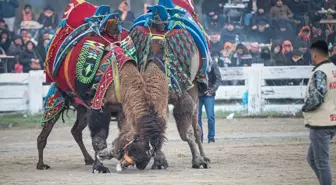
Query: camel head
point(149, 136)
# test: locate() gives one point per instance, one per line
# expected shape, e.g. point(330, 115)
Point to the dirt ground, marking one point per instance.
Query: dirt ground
point(247, 151)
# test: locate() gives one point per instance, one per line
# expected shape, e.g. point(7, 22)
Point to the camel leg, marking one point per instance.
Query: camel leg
point(42, 142)
point(184, 110)
point(76, 131)
point(99, 125)
point(197, 129)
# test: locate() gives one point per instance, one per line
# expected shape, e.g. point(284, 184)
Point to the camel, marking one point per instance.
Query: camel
point(91, 60)
point(174, 58)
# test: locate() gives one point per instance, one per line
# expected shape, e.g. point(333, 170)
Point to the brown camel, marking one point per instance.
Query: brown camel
point(184, 100)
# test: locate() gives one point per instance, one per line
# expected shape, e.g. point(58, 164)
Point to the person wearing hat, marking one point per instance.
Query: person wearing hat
point(319, 111)
point(7, 12)
point(48, 19)
point(263, 34)
point(259, 16)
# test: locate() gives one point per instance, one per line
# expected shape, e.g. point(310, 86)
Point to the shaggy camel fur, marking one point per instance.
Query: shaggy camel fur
point(139, 141)
point(185, 113)
point(133, 107)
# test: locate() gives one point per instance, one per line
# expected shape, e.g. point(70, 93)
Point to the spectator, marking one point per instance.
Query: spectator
point(2, 25)
point(213, 13)
point(126, 15)
point(48, 19)
point(304, 35)
point(313, 8)
point(42, 50)
point(230, 33)
point(29, 58)
point(283, 30)
point(299, 9)
point(265, 57)
point(215, 43)
point(5, 41)
point(15, 49)
point(7, 12)
point(27, 13)
point(255, 53)
point(263, 34)
point(281, 11)
point(25, 35)
point(287, 50)
point(333, 55)
point(304, 49)
point(277, 55)
point(226, 55)
point(297, 59)
point(317, 34)
point(208, 100)
point(241, 57)
point(255, 5)
point(260, 16)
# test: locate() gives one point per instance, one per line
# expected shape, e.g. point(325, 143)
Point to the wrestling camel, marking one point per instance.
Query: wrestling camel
point(86, 63)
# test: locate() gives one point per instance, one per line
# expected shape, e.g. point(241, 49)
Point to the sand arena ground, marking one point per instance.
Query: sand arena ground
point(247, 151)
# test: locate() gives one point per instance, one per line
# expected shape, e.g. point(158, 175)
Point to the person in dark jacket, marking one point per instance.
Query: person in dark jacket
point(229, 34)
point(208, 100)
point(42, 50)
point(263, 34)
point(241, 57)
point(7, 12)
point(313, 8)
point(304, 49)
point(265, 57)
point(126, 15)
point(5, 41)
point(255, 53)
point(48, 19)
point(279, 58)
point(261, 16)
point(299, 9)
point(283, 30)
point(213, 14)
point(28, 56)
point(14, 50)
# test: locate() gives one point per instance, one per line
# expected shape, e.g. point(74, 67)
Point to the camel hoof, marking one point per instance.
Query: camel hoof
point(200, 162)
point(100, 169)
point(42, 166)
point(160, 164)
point(89, 162)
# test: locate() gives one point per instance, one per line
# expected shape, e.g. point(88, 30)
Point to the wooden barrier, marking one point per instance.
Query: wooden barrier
point(25, 92)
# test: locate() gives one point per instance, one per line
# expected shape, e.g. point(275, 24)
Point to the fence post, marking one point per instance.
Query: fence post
point(35, 92)
point(254, 89)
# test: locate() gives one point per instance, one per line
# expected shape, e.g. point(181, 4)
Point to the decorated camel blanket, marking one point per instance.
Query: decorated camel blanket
point(78, 63)
point(181, 36)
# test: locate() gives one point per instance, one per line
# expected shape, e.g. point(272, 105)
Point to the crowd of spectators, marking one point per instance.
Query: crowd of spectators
point(28, 44)
point(271, 32)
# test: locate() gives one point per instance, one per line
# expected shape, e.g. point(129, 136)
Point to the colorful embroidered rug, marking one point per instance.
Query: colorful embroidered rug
point(179, 49)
